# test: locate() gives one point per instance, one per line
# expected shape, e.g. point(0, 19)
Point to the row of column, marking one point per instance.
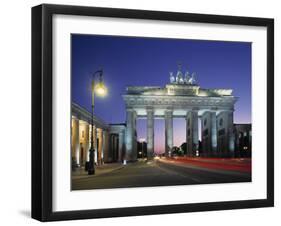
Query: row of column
point(81, 142)
point(217, 133)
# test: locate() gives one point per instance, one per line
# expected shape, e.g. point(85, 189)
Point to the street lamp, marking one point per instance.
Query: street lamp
point(101, 90)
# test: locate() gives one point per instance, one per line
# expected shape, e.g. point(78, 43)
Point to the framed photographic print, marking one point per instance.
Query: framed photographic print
point(146, 112)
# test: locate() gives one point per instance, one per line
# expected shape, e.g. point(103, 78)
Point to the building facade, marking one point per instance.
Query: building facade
point(108, 138)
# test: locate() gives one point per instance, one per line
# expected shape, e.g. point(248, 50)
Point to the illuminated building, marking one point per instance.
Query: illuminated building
point(183, 98)
point(108, 138)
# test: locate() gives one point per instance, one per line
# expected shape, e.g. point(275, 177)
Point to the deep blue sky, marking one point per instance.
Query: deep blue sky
point(148, 61)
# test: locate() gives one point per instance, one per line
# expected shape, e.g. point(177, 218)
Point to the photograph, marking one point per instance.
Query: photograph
point(150, 111)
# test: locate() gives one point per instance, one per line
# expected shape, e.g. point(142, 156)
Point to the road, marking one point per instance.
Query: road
point(158, 173)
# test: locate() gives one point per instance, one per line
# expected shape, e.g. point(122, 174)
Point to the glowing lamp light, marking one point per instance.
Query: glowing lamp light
point(100, 89)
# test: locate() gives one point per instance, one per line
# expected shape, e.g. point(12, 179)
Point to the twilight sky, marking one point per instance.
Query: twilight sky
point(147, 61)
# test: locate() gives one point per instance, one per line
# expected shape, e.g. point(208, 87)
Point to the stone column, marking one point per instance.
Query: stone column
point(150, 133)
point(130, 135)
point(226, 134)
point(112, 148)
point(87, 141)
point(100, 147)
point(135, 144)
point(106, 146)
point(95, 133)
point(206, 134)
point(121, 145)
point(75, 140)
point(214, 133)
point(168, 132)
point(231, 137)
point(195, 131)
point(188, 134)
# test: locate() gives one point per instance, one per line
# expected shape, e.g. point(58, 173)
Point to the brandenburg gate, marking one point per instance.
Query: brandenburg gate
point(211, 109)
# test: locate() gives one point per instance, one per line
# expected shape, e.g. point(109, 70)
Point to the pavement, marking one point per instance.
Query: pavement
point(99, 170)
point(160, 172)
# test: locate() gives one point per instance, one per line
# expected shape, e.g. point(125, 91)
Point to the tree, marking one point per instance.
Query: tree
point(184, 148)
point(177, 151)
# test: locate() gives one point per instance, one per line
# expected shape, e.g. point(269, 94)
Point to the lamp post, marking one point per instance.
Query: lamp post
point(100, 90)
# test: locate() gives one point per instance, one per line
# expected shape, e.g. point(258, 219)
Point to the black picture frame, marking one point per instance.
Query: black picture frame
point(42, 111)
